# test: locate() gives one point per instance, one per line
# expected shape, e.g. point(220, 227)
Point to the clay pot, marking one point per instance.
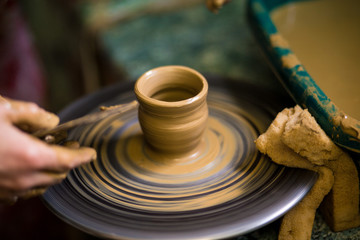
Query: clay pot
point(173, 111)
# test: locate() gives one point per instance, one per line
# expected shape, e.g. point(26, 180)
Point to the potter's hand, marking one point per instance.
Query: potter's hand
point(28, 165)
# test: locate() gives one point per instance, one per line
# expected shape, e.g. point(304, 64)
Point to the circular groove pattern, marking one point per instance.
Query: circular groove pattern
point(228, 188)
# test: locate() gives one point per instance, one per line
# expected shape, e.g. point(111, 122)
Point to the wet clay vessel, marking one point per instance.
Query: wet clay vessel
point(183, 165)
point(173, 111)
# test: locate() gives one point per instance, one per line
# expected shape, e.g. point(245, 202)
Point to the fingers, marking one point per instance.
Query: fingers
point(72, 144)
point(55, 138)
point(25, 181)
point(29, 165)
point(68, 158)
point(35, 182)
point(28, 116)
point(37, 155)
point(27, 186)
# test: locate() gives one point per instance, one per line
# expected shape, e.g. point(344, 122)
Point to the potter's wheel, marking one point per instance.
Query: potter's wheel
point(128, 194)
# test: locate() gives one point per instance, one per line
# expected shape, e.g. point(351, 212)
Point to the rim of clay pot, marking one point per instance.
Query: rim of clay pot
point(143, 87)
point(343, 130)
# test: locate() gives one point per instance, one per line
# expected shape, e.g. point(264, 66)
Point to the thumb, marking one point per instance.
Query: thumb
point(28, 116)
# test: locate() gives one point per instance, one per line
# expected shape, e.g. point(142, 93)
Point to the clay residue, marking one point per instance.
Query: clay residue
point(330, 61)
point(225, 166)
point(294, 139)
point(278, 41)
point(325, 36)
point(288, 60)
point(214, 174)
point(348, 125)
point(215, 154)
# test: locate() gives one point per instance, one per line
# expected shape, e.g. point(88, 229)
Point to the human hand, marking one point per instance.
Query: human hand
point(28, 165)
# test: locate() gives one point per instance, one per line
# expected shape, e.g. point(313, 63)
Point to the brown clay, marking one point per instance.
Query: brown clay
point(294, 139)
point(203, 169)
point(173, 111)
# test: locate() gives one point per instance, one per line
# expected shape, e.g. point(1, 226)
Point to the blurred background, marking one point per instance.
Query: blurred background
point(85, 45)
point(54, 52)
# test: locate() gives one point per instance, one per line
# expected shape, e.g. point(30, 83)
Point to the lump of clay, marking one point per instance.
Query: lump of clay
point(294, 139)
point(304, 136)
